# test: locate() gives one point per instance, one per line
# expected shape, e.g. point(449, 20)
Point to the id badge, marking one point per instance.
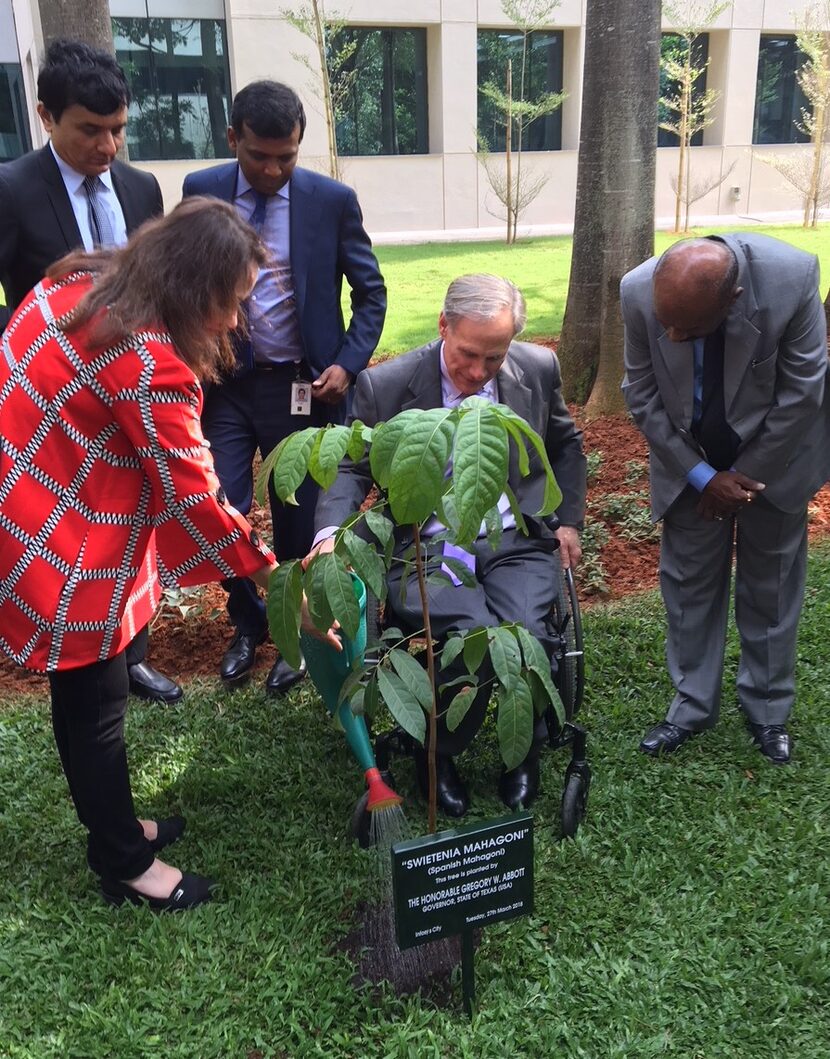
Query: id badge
point(300, 398)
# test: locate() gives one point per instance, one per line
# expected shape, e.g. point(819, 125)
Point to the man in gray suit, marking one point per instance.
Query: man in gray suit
point(726, 358)
point(476, 355)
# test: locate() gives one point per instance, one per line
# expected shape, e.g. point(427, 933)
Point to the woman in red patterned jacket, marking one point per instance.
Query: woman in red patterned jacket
point(107, 489)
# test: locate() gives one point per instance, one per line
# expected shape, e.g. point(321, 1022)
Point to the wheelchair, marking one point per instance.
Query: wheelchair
point(565, 624)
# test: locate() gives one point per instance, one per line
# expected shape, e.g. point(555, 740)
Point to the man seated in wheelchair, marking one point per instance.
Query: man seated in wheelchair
point(476, 354)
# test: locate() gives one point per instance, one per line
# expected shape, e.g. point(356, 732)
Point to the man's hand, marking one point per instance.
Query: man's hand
point(726, 493)
point(331, 386)
point(570, 550)
point(322, 547)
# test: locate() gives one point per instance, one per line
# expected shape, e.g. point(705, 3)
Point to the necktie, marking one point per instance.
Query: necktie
point(709, 425)
point(99, 220)
point(260, 205)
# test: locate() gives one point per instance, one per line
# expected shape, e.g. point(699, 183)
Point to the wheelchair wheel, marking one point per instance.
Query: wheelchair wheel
point(567, 623)
point(574, 804)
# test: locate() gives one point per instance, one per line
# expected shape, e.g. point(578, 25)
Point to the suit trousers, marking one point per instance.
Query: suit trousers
point(770, 550)
point(247, 413)
point(517, 582)
point(88, 709)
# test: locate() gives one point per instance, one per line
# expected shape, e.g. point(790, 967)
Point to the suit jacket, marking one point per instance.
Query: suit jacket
point(775, 364)
point(328, 242)
point(106, 484)
point(37, 224)
point(529, 382)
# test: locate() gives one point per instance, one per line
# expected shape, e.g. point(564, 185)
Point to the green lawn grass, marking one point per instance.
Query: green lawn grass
point(688, 919)
point(418, 276)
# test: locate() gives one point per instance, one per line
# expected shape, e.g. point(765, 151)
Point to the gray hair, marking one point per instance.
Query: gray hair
point(482, 297)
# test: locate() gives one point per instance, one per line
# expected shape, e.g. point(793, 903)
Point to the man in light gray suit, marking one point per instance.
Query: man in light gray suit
point(476, 354)
point(726, 358)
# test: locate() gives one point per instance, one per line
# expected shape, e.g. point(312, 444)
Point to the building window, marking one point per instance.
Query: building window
point(779, 100)
point(14, 127)
point(542, 74)
point(179, 79)
point(381, 102)
point(673, 46)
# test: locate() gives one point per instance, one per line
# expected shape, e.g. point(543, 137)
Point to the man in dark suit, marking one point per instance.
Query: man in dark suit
point(476, 355)
point(298, 361)
point(73, 193)
point(726, 361)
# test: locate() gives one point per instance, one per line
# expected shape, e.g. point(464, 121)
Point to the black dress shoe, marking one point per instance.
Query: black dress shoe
point(451, 794)
point(239, 658)
point(191, 891)
point(519, 787)
point(148, 683)
point(773, 740)
point(665, 738)
point(170, 830)
point(282, 677)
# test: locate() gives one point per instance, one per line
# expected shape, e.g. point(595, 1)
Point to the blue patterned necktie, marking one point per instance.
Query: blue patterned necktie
point(99, 221)
point(260, 206)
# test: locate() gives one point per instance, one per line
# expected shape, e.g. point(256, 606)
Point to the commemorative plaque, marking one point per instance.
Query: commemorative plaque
point(457, 880)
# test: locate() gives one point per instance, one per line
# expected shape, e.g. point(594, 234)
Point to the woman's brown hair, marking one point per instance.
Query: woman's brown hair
point(176, 272)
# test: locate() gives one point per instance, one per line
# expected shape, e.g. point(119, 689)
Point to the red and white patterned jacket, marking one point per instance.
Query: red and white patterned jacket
point(106, 486)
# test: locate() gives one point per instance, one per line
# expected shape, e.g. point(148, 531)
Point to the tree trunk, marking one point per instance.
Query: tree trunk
point(614, 218)
point(84, 20)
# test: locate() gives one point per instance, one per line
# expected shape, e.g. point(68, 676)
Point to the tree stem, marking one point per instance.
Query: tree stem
point(433, 713)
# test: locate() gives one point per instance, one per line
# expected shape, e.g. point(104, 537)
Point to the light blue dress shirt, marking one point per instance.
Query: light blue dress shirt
point(272, 308)
point(106, 199)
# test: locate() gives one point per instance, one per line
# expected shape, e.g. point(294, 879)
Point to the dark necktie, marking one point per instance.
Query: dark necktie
point(99, 221)
point(718, 440)
point(260, 206)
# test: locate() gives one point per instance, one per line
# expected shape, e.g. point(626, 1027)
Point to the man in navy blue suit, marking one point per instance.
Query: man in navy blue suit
point(298, 361)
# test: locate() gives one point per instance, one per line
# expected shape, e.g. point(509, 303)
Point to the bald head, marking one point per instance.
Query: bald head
point(694, 286)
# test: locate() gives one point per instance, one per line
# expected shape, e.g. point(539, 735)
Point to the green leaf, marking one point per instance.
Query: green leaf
point(475, 648)
point(315, 589)
point(553, 494)
point(464, 574)
point(338, 585)
point(402, 704)
point(264, 475)
point(537, 661)
point(453, 646)
point(358, 436)
point(515, 724)
point(328, 450)
point(371, 697)
point(479, 472)
point(514, 507)
point(350, 684)
point(384, 442)
point(459, 706)
point(366, 562)
point(417, 473)
point(448, 513)
point(414, 675)
point(521, 447)
point(494, 526)
point(291, 464)
point(380, 525)
point(285, 597)
point(505, 656)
